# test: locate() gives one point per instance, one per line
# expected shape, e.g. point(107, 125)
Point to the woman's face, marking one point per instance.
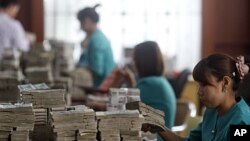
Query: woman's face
point(211, 95)
point(87, 24)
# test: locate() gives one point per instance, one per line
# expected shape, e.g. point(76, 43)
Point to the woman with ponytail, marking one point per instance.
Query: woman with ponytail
point(219, 77)
point(97, 53)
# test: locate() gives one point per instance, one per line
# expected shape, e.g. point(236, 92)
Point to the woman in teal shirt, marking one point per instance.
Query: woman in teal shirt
point(219, 76)
point(155, 89)
point(97, 53)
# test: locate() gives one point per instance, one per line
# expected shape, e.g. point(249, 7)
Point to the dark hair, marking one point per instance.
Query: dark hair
point(218, 65)
point(6, 3)
point(88, 12)
point(148, 59)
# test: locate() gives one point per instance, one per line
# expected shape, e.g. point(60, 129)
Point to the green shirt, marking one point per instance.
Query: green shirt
point(158, 93)
point(98, 57)
point(217, 128)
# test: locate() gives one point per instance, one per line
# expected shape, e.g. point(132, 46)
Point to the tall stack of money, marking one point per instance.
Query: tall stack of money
point(10, 59)
point(16, 121)
point(37, 56)
point(117, 125)
point(44, 98)
point(39, 74)
point(88, 133)
point(74, 123)
point(152, 116)
point(8, 89)
point(64, 61)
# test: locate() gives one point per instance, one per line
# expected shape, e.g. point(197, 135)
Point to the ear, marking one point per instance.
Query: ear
point(226, 82)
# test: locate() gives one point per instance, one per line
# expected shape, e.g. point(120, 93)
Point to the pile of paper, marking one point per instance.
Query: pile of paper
point(39, 74)
point(20, 135)
point(16, 120)
point(64, 61)
point(120, 124)
point(120, 96)
point(74, 123)
point(37, 56)
point(152, 116)
point(10, 59)
point(8, 89)
point(44, 98)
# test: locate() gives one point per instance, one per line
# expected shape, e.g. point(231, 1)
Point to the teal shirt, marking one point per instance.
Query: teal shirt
point(98, 57)
point(239, 114)
point(158, 93)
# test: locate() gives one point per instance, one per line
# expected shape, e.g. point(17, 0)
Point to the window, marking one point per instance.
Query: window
point(174, 24)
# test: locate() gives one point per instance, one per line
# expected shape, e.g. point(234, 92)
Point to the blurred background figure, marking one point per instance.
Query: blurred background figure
point(156, 91)
point(12, 34)
point(97, 54)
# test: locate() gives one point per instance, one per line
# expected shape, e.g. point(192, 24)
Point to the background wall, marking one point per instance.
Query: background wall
point(226, 27)
point(31, 15)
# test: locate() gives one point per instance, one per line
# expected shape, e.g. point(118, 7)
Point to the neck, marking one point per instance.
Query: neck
point(6, 11)
point(228, 103)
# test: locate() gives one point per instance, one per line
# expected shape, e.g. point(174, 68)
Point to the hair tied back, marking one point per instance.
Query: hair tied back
point(97, 5)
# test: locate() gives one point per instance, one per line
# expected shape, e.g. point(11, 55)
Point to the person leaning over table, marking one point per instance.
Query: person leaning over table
point(219, 76)
point(155, 90)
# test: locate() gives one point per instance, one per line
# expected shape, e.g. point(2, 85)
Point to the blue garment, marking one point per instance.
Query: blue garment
point(158, 93)
point(239, 114)
point(98, 57)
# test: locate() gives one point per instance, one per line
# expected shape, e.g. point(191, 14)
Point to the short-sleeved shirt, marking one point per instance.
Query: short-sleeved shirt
point(98, 57)
point(217, 128)
point(157, 92)
point(12, 34)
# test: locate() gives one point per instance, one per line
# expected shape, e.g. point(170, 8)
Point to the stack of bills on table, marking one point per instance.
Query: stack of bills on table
point(133, 94)
point(120, 96)
point(74, 123)
point(39, 74)
point(153, 117)
point(88, 133)
point(64, 61)
point(10, 59)
point(125, 124)
point(20, 135)
point(8, 89)
point(44, 98)
point(16, 120)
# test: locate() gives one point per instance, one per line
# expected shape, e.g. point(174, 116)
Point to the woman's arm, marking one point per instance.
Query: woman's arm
point(168, 135)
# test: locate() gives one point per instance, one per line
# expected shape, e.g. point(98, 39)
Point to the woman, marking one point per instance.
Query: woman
point(155, 89)
point(219, 77)
point(97, 55)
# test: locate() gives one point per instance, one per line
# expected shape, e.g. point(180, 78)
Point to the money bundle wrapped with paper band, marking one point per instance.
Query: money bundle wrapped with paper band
point(16, 120)
point(117, 125)
point(45, 98)
point(152, 117)
point(39, 74)
point(82, 125)
point(120, 96)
